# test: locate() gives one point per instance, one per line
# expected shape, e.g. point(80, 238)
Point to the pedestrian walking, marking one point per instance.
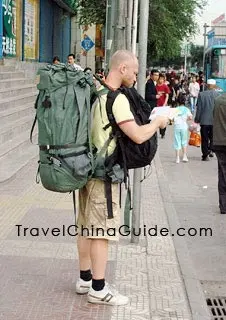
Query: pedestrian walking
point(194, 89)
point(219, 146)
point(93, 212)
point(181, 128)
point(204, 116)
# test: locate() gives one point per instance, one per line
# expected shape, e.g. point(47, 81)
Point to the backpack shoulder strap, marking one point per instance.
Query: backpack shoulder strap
point(111, 96)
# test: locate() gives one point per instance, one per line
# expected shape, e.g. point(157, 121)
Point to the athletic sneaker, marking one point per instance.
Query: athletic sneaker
point(82, 287)
point(177, 159)
point(185, 158)
point(107, 295)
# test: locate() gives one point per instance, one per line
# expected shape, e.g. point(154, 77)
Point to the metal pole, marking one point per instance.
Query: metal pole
point(143, 36)
point(107, 34)
point(134, 27)
point(119, 34)
point(204, 50)
point(112, 30)
point(185, 58)
point(129, 24)
point(204, 47)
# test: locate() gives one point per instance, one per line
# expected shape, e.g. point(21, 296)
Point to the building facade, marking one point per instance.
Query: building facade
point(38, 30)
point(35, 30)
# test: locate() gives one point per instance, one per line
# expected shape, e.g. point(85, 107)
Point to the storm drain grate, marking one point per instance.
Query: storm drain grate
point(217, 307)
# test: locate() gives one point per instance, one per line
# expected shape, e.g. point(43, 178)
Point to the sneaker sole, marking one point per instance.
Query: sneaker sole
point(82, 292)
point(95, 301)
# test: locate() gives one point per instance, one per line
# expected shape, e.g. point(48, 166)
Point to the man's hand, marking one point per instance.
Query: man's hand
point(162, 121)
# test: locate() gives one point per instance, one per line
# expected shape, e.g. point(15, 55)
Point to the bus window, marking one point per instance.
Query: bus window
point(218, 63)
point(207, 65)
point(215, 64)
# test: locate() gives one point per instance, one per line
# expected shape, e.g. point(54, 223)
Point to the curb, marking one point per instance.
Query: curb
point(195, 294)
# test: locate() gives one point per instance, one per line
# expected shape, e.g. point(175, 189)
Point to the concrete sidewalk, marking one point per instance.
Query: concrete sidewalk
point(38, 273)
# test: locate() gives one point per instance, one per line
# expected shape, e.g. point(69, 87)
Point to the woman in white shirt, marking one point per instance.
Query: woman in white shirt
point(194, 89)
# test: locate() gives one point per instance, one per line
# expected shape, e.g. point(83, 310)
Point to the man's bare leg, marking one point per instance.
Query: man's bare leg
point(99, 257)
point(84, 245)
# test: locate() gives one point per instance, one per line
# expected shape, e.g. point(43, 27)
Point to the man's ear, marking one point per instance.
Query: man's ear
point(122, 68)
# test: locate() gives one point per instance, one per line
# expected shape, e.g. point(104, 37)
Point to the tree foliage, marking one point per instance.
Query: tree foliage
point(170, 22)
point(91, 11)
point(196, 55)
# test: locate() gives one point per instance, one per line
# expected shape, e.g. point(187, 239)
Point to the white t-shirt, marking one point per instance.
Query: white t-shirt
point(194, 89)
point(77, 67)
point(180, 121)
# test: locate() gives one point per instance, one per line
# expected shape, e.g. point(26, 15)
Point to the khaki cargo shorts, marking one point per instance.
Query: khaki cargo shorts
point(93, 219)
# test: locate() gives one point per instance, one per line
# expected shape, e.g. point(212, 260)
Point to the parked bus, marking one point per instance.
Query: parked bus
point(215, 65)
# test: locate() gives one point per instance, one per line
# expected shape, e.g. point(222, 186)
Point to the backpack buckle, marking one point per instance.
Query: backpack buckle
point(89, 154)
point(55, 161)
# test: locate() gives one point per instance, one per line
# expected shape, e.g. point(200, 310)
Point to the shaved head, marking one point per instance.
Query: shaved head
point(121, 57)
point(123, 69)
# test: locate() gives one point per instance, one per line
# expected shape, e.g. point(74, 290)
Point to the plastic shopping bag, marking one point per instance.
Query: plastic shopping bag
point(195, 139)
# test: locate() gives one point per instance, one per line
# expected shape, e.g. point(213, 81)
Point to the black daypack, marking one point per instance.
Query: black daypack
point(127, 154)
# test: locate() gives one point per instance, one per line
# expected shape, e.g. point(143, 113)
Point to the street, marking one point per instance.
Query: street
point(39, 269)
point(193, 189)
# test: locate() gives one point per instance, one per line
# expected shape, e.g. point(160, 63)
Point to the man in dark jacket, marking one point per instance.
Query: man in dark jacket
point(151, 95)
point(219, 146)
point(204, 116)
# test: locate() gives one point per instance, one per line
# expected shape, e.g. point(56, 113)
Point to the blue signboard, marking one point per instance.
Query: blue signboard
point(216, 42)
point(211, 34)
point(87, 43)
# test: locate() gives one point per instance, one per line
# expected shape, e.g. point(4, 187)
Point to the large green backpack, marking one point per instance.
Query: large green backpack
point(63, 115)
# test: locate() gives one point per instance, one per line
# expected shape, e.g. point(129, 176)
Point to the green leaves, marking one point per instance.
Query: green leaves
point(170, 22)
point(92, 11)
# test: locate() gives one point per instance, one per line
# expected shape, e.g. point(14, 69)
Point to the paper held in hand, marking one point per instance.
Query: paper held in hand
point(164, 111)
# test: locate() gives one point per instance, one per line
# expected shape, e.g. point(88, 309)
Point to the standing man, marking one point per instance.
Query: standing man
point(71, 61)
point(204, 116)
point(151, 94)
point(219, 144)
point(93, 214)
point(194, 89)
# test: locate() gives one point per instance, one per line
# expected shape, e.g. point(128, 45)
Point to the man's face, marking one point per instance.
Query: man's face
point(129, 73)
point(155, 76)
point(70, 60)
